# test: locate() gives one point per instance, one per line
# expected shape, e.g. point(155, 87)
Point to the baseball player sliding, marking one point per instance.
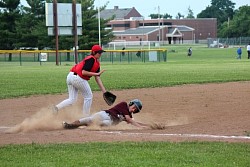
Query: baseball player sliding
point(121, 112)
point(77, 80)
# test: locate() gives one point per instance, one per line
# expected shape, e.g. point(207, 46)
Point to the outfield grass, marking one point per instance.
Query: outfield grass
point(204, 66)
point(127, 154)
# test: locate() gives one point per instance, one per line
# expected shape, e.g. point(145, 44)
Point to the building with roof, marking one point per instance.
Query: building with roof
point(120, 14)
point(128, 25)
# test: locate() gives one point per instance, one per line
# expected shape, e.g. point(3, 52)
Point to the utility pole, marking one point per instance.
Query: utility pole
point(75, 30)
point(159, 25)
point(99, 25)
point(55, 19)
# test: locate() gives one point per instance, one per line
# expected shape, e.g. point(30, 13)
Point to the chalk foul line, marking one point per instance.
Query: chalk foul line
point(180, 135)
point(169, 135)
point(4, 127)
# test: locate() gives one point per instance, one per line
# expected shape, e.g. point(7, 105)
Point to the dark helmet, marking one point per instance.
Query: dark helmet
point(137, 103)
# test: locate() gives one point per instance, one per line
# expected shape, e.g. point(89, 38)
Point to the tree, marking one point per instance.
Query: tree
point(90, 33)
point(32, 31)
point(8, 16)
point(241, 22)
point(156, 16)
point(239, 25)
point(25, 26)
point(37, 8)
point(166, 16)
point(179, 16)
point(220, 9)
point(9, 5)
point(24, 34)
point(190, 13)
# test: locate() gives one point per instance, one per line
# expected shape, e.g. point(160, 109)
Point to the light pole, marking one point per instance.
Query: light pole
point(99, 24)
point(55, 20)
point(159, 25)
point(162, 30)
point(75, 30)
point(142, 38)
point(194, 39)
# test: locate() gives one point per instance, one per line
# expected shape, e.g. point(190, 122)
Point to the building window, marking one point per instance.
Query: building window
point(155, 24)
point(121, 25)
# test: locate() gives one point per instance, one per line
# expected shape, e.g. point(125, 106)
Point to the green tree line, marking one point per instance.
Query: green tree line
point(231, 22)
point(25, 26)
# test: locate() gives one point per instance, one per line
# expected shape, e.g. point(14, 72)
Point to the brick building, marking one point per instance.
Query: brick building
point(129, 25)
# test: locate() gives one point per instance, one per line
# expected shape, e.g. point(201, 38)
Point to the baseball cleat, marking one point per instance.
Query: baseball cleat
point(69, 126)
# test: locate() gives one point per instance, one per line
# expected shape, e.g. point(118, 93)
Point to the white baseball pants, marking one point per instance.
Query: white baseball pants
point(75, 83)
point(101, 118)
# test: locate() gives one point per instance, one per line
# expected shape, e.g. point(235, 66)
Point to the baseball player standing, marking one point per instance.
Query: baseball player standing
point(248, 51)
point(77, 80)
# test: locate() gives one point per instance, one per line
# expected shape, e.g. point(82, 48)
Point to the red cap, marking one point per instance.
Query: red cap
point(97, 48)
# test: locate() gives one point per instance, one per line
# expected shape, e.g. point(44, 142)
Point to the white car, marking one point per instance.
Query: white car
point(215, 44)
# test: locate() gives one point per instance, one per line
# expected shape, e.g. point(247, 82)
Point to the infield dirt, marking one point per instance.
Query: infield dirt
point(207, 112)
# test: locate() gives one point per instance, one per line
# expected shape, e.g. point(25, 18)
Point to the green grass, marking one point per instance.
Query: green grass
point(204, 66)
point(128, 154)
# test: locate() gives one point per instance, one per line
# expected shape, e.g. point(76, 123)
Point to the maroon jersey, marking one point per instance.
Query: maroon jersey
point(118, 112)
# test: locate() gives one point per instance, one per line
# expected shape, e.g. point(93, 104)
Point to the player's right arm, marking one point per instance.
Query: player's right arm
point(135, 123)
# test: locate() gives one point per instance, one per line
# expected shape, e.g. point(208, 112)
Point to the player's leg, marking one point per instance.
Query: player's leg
point(72, 91)
point(81, 122)
point(88, 96)
point(100, 118)
point(105, 119)
point(83, 86)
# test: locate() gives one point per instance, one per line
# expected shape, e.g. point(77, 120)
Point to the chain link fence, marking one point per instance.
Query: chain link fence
point(226, 42)
point(67, 56)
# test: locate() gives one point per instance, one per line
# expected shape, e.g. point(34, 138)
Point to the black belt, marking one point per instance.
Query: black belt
point(110, 115)
point(114, 120)
point(75, 73)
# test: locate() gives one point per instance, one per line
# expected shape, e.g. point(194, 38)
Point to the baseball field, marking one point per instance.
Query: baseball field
point(202, 101)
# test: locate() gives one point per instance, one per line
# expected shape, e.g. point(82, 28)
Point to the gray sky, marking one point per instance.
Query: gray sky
point(147, 7)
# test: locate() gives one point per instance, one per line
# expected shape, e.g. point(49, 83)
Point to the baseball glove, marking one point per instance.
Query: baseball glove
point(109, 98)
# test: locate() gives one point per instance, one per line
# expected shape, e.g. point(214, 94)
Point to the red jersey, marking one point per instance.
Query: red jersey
point(79, 67)
point(118, 112)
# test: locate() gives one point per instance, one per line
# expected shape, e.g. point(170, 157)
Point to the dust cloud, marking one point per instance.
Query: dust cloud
point(46, 120)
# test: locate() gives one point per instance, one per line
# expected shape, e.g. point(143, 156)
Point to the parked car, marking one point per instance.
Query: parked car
point(215, 44)
point(28, 48)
